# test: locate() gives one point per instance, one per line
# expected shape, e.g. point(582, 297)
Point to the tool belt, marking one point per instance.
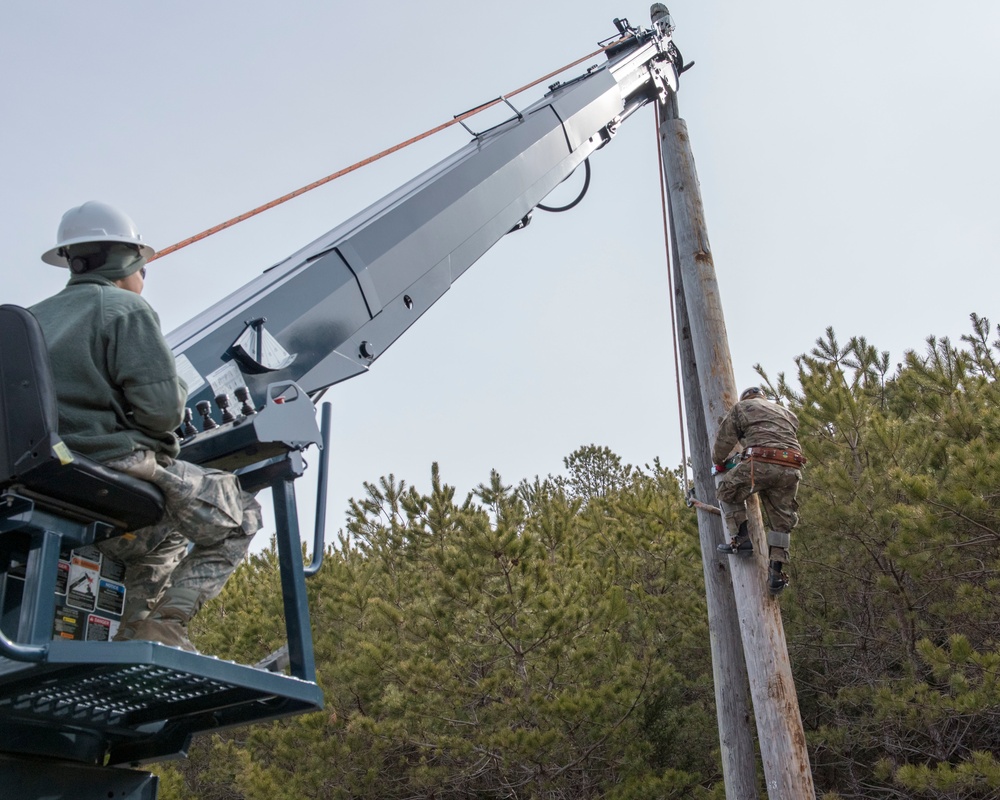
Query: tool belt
point(774, 455)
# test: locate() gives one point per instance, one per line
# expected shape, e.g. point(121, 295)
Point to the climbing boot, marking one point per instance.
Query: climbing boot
point(740, 544)
point(776, 579)
point(134, 612)
point(168, 619)
point(778, 543)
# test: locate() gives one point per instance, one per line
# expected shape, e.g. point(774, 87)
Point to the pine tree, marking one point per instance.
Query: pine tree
point(549, 640)
point(897, 556)
point(521, 643)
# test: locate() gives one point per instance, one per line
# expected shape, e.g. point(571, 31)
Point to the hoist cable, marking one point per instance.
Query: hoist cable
point(579, 197)
point(670, 285)
point(364, 162)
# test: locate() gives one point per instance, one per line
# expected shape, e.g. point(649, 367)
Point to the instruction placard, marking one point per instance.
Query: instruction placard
point(69, 623)
point(62, 577)
point(111, 597)
point(226, 379)
point(98, 628)
point(112, 570)
point(81, 583)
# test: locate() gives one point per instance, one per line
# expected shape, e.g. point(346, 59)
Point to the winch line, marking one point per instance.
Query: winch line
point(371, 159)
point(670, 290)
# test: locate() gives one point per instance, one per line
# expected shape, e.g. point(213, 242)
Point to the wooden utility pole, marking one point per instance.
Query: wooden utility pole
point(729, 671)
point(780, 735)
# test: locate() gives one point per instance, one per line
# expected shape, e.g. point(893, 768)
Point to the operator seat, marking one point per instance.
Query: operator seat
point(75, 707)
point(35, 463)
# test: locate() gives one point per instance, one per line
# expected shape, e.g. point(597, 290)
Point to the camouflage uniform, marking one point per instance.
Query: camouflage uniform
point(205, 533)
point(757, 422)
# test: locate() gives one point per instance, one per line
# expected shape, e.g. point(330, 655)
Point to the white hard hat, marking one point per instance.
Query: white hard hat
point(94, 222)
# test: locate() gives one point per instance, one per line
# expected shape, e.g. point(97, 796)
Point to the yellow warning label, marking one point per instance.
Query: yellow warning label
point(62, 453)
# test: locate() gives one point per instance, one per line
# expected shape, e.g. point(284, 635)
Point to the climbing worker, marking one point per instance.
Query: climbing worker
point(120, 400)
point(768, 464)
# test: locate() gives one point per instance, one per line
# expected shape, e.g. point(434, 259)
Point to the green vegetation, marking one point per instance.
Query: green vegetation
point(549, 639)
point(893, 632)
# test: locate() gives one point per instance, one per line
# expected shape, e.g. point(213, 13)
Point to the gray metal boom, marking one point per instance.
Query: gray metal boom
point(328, 311)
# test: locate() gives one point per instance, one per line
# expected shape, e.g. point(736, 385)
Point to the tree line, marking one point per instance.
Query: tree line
point(549, 639)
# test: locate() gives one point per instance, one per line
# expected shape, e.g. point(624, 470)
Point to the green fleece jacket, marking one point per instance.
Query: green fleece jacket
point(115, 378)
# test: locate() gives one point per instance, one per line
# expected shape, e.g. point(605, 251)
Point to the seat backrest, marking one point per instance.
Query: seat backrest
point(29, 415)
point(35, 461)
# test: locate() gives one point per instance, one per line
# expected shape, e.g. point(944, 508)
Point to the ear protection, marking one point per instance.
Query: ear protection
point(78, 265)
point(91, 258)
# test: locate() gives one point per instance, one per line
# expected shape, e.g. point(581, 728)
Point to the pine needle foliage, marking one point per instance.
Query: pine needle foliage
point(544, 640)
point(893, 630)
point(549, 640)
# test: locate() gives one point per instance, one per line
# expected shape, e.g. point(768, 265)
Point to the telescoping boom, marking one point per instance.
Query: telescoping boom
point(328, 311)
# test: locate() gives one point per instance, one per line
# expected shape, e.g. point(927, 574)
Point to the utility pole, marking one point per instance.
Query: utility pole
point(729, 671)
point(780, 735)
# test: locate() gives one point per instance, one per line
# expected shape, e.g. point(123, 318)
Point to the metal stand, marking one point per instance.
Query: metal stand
point(74, 712)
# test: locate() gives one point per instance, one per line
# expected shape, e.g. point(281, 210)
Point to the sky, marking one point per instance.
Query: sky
point(847, 156)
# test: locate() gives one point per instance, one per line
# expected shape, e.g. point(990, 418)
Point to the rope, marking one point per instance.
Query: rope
point(364, 162)
point(692, 503)
point(670, 284)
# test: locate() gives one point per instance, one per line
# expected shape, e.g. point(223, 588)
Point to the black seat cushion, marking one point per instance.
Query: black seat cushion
point(88, 489)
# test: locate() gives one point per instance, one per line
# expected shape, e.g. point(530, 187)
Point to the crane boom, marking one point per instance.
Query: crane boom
point(328, 311)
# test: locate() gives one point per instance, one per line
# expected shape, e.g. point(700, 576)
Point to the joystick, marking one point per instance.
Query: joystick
point(188, 428)
point(205, 409)
point(243, 395)
point(222, 401)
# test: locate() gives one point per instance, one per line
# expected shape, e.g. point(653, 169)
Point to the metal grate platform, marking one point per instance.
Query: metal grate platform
point(136, 701)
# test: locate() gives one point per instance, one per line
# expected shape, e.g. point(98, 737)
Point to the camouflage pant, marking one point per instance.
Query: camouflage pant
point(205, 532)
point(775, 484)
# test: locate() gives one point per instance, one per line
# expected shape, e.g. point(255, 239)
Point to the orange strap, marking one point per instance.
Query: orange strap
point(364, 162)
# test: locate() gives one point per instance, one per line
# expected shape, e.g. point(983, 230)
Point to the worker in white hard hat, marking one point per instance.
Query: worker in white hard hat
point(769, 464)
point(91, 227)
point(120, 400)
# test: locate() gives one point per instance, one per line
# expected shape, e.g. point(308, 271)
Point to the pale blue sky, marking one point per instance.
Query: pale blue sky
point(847, 154)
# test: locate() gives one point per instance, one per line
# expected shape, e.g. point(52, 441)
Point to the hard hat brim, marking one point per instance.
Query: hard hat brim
point(56, 260)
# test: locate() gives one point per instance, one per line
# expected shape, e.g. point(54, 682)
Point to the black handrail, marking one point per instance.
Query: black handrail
point(319, 531)
point(36, 653)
